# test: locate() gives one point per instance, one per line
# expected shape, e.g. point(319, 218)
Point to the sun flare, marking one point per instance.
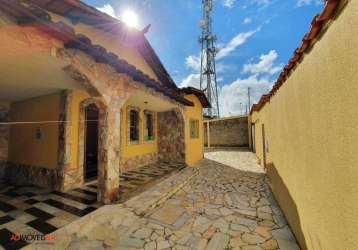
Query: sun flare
point(130, 18)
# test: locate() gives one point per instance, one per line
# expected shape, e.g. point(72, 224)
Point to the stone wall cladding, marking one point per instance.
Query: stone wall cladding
point(171, 137)
point(137, 162)
point(21, 174)
point(3, 165)
point(64, 142)
point(228, 132)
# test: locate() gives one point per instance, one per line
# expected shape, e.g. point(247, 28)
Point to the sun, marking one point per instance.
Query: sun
point(130, 18)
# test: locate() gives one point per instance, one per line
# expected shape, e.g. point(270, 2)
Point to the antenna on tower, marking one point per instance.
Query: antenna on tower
point(208, 82)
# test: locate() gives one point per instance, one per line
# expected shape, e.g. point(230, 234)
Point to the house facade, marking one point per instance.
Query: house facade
point(82, 96)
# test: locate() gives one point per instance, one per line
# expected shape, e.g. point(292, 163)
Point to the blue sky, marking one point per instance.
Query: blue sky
point(256, 38)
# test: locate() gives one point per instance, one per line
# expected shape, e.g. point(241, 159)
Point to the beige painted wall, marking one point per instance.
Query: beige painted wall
point(312, 135)
point(24, 148)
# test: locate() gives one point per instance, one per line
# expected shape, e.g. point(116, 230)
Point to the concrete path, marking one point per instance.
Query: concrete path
point(220, 208)
point(237, 158)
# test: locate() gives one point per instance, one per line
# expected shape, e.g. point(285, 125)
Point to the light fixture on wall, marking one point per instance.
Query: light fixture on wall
point(38, 134)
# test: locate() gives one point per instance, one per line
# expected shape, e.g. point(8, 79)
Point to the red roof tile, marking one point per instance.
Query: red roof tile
point(200, 94)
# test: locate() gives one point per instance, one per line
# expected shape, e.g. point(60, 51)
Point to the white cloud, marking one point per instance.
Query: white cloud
point(301, 3)
point(193, 62)
point(108, 9)
point(266, 65)
point(238, 40)
point(233, 98)
point(259, 3)
point(220, 79)
point(192, 80)
point(262, 2)
point(231, 95)
point(228, 3)
point(221, 68)
point(247, 20)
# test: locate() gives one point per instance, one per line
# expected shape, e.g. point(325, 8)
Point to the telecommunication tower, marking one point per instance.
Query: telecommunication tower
point(207, 40)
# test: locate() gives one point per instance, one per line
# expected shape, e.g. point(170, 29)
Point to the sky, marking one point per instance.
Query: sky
point(256, 38)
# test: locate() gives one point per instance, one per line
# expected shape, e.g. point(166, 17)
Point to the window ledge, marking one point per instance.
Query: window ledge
point(134, 142)
point(150, 141)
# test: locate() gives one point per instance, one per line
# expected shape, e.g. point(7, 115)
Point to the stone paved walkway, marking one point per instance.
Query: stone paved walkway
point(27, 209)
point(237, 158)
point(220, 208)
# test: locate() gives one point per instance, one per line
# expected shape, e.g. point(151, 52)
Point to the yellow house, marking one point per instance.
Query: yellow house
point(305, 132)
point(87, 96)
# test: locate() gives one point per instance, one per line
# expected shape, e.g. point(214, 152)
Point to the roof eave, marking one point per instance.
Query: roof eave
point(25, 15)
point(199, 94)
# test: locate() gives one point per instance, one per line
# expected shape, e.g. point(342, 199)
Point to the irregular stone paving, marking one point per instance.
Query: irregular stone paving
point(27, 209)
point(135, 181)
point(220, 208)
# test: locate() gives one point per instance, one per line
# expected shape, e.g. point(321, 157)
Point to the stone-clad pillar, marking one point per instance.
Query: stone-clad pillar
point(65, 180)
point(110, 154)
point(171, 136)
point(4, 137)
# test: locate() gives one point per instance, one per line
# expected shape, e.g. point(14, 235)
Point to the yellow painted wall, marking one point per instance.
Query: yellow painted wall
point(23, 146)
point(312, 133)
point(254, 118)
point(25, 149)
point(194, 148)
point(143, 147)
point(77, 98)
point(4, 104)
point(112, 43)
point(128, 150)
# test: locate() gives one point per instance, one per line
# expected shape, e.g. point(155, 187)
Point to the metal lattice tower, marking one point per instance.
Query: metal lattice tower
point(207, 40)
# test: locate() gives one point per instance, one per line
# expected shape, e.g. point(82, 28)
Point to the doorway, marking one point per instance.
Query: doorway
point(253, 137)
point(91, 142)
point(264, 145)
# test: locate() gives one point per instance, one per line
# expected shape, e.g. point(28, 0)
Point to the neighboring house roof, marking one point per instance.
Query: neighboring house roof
point(200, 94)
point(25, 14)
point(318, 22)
point(78, 11)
